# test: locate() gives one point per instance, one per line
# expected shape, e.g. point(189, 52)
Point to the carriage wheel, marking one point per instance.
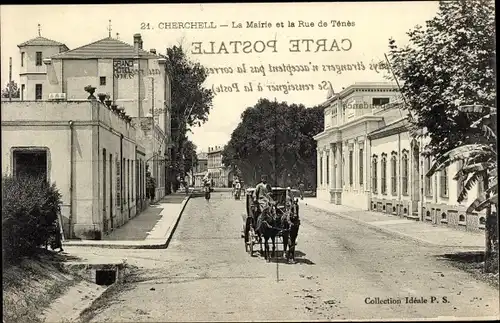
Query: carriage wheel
point(247, 234)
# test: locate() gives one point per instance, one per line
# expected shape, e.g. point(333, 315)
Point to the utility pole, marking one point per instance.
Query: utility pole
point(10, 79)
point(182, 124)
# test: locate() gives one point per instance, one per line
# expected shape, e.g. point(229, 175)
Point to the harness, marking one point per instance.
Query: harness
point(284, 214)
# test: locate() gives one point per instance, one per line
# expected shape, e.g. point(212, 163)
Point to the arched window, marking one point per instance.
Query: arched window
point(351, 167)
point(394, 174)
point(321, 169)
point(383, 175)
point(444, 182)
point(404, 174)
point(374, 174)
point(361, 175)
point(327, 168)
point(428, 180)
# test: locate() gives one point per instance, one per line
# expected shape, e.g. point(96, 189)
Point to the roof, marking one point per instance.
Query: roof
point(395, 127)
point(105, 48)
point(41, 41)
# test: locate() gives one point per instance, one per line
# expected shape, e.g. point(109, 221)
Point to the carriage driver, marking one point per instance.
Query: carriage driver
point(262, 195)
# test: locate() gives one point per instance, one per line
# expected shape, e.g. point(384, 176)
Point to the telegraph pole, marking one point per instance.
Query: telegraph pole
point(10, 79)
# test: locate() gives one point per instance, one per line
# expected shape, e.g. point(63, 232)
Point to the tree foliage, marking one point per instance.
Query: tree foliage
point(13, 89)
point(30, 207)
point(190, 156)
point(275, 139)
point(446, 65)
point(191, 101)
point(187, 89)
point(448, 74)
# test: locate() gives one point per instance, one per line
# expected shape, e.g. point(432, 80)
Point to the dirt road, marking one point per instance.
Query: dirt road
point(345, 271)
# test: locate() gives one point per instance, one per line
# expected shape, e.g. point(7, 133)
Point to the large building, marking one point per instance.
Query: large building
point(127, 133)
point(367, 159)
point(216, 169)
point(201, 169)
point(89, 151)
point(134, 79)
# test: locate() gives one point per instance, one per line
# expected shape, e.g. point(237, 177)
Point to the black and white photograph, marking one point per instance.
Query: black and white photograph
point(238, 162)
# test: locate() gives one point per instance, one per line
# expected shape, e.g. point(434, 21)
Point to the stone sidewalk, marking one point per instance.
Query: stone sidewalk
point(416, 230)
point(151, 229)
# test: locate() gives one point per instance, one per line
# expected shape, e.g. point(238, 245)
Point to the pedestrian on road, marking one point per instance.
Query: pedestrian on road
point(150, 187)
point(57, 237)
point(301, 189)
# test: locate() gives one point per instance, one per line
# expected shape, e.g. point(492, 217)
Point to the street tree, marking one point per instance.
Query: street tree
point(190, 156)
point(191, 100)
point(275, 139)
point(11, 88)
point(448, 84)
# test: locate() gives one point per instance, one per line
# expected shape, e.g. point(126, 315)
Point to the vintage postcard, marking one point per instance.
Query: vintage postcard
point(328, 161)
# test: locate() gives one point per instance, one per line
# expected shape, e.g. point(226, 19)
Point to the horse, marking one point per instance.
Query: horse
point(290, 223)
point(267, 226)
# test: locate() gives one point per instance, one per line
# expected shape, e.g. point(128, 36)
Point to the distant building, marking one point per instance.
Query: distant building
point(201, 170)
point(216, 169)
point(114, 144)
point(366, 158)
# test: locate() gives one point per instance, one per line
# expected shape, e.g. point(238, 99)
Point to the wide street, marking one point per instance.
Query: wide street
point(206, 275)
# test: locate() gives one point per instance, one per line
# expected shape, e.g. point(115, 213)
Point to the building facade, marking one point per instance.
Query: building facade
point(89, 151)
point(60, 87)
point(367, 159)
point(136, 80)
point(216, 169)
point(201, 169)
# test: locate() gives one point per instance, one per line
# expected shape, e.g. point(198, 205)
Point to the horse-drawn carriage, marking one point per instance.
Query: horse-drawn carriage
point(280, 220)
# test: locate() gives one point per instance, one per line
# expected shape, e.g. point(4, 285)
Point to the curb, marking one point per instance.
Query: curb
point(140, 244)
point(389, 231)
point(174, 227)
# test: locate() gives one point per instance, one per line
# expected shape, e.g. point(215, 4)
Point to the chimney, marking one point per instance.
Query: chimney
point(140, 44)
point(152, 51)
point(137, 42)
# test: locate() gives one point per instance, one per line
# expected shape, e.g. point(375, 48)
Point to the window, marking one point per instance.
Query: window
point(22, 58)
point(102, 80)
point(361, 166)
point(460, 180)
point(443, 176)
point(351, 175)
point(128, 183)
point(379, 101)
point(428, 180)
point(321, 169)
point(23, 88)
point(111, 189)
point(383, 175)
point(122, 187)
point(374, 174)
point(327, 169)
point(38, 91)
point(30, 162)
point(404, 175)
point(394, 174)
point(104, 184)
point(38, 58)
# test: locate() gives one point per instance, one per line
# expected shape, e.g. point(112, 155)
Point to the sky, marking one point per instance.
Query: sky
point(280, 57)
